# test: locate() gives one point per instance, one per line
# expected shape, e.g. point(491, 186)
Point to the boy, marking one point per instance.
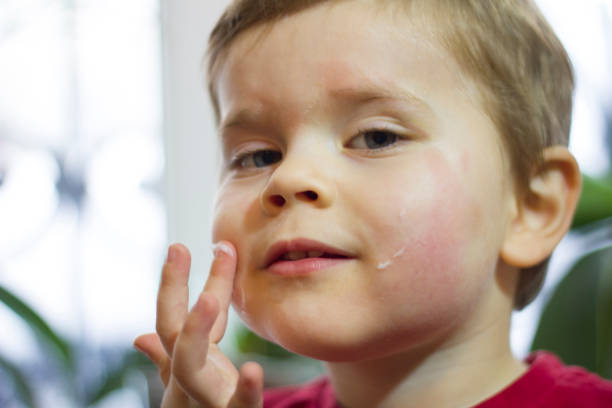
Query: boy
point(394, 180)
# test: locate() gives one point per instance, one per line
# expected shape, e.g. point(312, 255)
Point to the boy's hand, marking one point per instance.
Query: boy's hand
point(192, 367)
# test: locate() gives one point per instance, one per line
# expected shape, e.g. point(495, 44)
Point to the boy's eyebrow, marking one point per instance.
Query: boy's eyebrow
point(243, 117)
point(369, 93)
point(354, 95)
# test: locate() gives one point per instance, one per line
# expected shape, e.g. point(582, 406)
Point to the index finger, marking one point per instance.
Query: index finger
point(220, 283)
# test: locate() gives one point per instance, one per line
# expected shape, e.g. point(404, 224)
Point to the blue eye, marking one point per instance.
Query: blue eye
point(373, 139)
point(257, 158)
point(377, 139)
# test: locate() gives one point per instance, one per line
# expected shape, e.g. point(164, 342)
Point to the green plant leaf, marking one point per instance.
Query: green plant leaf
point(22, 387)
point(604, 315)
point(575, 323)
point(595, 202)
point(42, 330)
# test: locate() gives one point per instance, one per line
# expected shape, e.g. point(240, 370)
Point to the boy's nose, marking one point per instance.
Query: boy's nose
point(290, 185)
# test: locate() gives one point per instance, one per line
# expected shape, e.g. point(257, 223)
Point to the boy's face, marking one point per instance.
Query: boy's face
point(408, 176)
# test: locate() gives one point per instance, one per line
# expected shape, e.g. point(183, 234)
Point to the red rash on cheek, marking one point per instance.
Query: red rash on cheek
point(435, 228)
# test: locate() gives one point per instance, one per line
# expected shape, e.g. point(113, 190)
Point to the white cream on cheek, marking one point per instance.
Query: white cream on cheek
point(388, 262)
point(240, 301)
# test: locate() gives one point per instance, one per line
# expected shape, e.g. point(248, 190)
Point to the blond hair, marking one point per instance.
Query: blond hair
point(506, 47)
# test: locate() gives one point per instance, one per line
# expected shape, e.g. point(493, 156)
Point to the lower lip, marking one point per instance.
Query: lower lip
point(305, 266)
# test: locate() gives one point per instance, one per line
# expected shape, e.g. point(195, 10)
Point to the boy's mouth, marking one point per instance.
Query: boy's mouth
point(301, 248)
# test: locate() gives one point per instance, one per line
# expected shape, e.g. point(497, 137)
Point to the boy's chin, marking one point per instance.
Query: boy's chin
point(344, 342)
point(331, 348)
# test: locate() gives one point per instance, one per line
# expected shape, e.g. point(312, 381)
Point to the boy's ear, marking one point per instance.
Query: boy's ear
point(545, 211)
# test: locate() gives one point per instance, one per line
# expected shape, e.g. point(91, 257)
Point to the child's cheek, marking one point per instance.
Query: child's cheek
point(432, 245)
point(233, 220)
point(424, 213)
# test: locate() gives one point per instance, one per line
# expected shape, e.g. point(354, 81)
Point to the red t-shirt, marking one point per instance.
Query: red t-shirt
point(547, 383)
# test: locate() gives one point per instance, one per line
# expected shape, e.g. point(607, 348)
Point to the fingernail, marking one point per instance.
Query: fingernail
point(172, 252)
point(220, 248)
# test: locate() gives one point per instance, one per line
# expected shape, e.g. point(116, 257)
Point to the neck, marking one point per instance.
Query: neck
point(458, 371)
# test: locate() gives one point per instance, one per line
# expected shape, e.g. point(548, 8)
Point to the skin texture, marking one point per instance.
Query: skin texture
point(420, 315)
point(445, 174)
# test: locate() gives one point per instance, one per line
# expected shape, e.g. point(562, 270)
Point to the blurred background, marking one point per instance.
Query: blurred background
point(108, 154)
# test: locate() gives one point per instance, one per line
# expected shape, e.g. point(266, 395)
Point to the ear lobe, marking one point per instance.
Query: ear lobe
point(545, 211)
